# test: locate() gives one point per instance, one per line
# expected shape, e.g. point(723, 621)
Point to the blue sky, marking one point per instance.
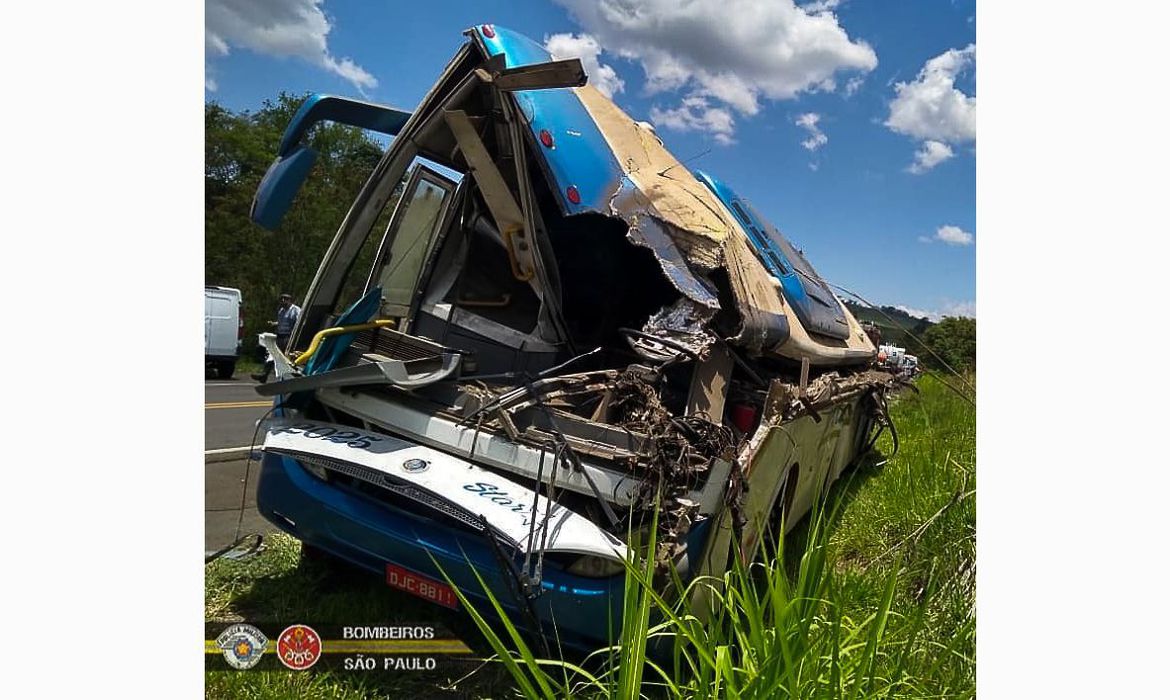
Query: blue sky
point(850, 124)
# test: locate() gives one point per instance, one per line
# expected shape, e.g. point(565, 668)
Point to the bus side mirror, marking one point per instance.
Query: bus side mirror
point(280, 185)
point(293, 161)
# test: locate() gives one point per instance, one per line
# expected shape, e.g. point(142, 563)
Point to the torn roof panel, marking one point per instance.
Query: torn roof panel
point(666, 189)
point(618, 167)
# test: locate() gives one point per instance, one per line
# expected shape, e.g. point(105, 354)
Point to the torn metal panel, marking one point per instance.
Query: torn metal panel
point(788, 403)
point(690, 232)
point(683, 323)
point(666, 189)
point(282, 366)
point(643, 184)
point(646, 232)
point(764, 323)
point(408, 374)
point(709, 386)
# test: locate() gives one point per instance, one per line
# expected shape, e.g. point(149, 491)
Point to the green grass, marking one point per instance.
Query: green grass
point(905, 528)
point(246, 365)
point(913, 518)
point(873, 596)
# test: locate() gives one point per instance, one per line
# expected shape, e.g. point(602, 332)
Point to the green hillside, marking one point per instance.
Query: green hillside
point(952, 340)
point(892, 322)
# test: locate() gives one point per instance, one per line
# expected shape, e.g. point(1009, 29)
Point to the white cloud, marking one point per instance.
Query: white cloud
point(214, 45)
point(296, 28)
point(930, 108)
point(959, 308)
point(853, 85)
point(733, 53)
point(586, 48)
point(949, 308)
point(954, 235)
point(696, 114)
point(951, 235)
point(918, 313)
point(816, 137)
point(735, 91)
point(351, 71)
point(820, 6)
point(930, 154)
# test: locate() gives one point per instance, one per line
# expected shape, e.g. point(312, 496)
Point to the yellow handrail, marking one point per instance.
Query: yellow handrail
point(338, 330)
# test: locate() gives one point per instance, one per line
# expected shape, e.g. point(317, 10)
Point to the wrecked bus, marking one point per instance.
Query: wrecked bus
point(553, 333)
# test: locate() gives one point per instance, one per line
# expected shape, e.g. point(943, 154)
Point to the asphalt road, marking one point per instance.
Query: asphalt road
point(231, 409)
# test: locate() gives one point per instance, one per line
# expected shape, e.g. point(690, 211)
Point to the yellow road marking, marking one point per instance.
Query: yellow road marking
point(238, 404)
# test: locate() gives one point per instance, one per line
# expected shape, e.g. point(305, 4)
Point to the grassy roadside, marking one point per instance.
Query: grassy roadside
point(247, 365)
point(878, 597)
point(904, 527)
point(913, 519)
point(244, 367)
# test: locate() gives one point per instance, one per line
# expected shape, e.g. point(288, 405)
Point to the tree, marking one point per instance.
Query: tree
point(954, 340)
point(239, 147)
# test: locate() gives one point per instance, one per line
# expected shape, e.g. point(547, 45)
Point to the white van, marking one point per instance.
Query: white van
point(223, 328)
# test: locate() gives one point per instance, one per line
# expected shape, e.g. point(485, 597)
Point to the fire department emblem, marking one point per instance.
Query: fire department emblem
point(242, 646)
point(298, 647)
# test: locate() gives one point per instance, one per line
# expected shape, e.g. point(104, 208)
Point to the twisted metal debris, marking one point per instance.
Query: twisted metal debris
point(680, 453)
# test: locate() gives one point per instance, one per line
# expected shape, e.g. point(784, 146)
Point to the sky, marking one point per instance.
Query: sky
point(849, 124)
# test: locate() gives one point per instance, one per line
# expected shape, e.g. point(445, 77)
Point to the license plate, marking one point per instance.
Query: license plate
point(421, 586)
